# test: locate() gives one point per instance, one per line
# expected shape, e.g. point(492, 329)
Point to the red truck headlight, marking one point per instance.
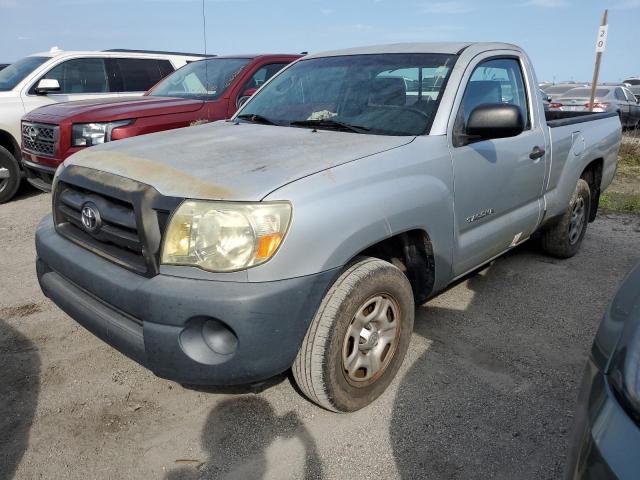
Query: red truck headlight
point(89, 134)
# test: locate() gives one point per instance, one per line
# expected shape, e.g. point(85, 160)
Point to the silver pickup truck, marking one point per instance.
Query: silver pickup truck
point(301, 234)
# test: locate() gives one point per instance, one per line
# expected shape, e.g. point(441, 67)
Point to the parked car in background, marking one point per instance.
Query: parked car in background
point(302, 233)
point(59, 76)
point(606, 437)
point(546, 99)
point(205, 90)
point(634, 86)
point(4, 65)
point(608, 99)
point(557, 90)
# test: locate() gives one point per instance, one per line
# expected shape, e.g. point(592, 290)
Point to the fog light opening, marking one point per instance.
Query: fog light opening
point(208, 340)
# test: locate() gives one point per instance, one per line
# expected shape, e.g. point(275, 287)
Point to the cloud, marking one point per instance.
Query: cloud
point(545, 3)
point(326, 11)
point(447, 7)
point(434, 33)
point(628, 5)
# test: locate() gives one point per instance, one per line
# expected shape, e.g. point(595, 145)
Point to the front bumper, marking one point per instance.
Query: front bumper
point(158, 321)
point(38, 174)
point(605, 440)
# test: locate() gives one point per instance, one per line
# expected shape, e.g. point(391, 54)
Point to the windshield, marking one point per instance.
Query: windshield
point(633, 81)
point(16, 72)
point(559, 89)
point(586, 93)
point(385, 94)
point(202, 80)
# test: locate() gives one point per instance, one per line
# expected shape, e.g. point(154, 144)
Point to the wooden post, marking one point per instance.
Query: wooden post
point(601, 43)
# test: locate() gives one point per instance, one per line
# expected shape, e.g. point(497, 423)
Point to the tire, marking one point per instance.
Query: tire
point(368, 287)
point(564, 238)
point(10, 177)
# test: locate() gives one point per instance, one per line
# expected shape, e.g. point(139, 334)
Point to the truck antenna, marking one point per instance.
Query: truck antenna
point(206, 62)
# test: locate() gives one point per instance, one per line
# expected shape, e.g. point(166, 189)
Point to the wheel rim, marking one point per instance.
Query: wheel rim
point(4, 178)
point(371, 339)
point(577, 220)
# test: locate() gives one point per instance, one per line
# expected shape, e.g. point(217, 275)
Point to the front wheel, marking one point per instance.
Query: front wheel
point(358, 337)
point(9, 175)
point(564, 238)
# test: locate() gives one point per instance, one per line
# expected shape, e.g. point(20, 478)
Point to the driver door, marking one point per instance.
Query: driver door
point(497, 182)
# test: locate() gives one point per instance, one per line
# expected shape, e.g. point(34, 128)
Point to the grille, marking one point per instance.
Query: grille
point(116, 235)
point(39, 138)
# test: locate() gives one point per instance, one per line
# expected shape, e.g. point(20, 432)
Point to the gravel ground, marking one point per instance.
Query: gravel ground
point(487, 389)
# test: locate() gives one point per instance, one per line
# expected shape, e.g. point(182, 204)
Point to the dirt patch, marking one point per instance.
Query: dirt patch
point(20, 311)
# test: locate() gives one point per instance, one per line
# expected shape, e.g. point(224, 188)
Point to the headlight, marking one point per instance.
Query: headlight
point(89, 134)
point(225, 236)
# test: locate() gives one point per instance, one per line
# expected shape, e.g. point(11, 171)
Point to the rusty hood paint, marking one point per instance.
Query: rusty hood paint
point(228, 161)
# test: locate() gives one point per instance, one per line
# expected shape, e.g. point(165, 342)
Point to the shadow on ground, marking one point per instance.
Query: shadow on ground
point(237, 435)
point(19, 386)
point(492, 397)
point(26, 191)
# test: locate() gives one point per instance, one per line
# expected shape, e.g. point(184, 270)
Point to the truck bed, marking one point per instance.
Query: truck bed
point(558, 118)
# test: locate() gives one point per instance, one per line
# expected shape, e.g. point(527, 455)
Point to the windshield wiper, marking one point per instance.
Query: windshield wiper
point(255, 118)
point(330, 123)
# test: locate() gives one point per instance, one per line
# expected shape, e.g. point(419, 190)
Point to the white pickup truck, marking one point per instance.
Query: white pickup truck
point(352, 186)
point(63, 76)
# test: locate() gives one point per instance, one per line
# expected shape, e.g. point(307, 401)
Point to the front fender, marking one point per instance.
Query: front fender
point(341, 211)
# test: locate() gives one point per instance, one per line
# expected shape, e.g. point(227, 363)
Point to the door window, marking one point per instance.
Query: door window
point(630, 97)
point(619, 94)
point(80, 75)
point(263, 74)
point(498, 80)
point(138, 74)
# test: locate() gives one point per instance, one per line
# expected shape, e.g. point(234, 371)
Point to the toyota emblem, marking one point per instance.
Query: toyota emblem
point(90, 218)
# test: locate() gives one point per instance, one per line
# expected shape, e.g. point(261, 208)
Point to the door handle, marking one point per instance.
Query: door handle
point(536, 153)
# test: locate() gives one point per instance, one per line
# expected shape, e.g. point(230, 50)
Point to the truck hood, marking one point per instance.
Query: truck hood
point(228, 161)
point(107, 109)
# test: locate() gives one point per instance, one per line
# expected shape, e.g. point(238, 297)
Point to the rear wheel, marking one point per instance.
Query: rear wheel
point(564, 238)
point(358, 337)
point(9, 175)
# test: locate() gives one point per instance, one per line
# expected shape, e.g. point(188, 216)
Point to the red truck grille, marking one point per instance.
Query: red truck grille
point(40, 139)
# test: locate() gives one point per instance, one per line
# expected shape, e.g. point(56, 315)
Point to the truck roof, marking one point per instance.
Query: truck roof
point(426, 47)
point(258, 55)
point(56, 52)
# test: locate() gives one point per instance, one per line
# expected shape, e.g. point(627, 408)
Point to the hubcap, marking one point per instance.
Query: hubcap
point(577, 220)
point(4, 178)
point(371, 339)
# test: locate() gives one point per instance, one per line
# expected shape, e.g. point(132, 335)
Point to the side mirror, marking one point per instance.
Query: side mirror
point(47, 85)
point(246, 95)
point(495, 120)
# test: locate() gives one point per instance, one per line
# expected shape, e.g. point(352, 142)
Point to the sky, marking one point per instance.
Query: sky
point(559, 35)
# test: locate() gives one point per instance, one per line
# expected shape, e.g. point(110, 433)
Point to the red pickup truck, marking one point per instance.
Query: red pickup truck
point(205, 90)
